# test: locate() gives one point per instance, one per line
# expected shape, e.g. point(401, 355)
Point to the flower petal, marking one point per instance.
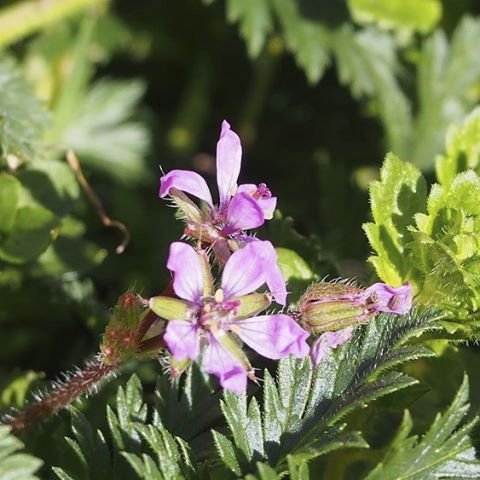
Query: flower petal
point(390, 299)
point(327, 342)
point(186, 181)
point(273, 336)
point(243, 213)
point(243, 272)
point(266, 203)
point(188, 274)
point(229, 158)
point(219, 362)
point(273, 275)
point(182, 339)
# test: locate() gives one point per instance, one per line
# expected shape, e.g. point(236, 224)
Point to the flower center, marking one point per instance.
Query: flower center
point(262, 192)
point(216, 311)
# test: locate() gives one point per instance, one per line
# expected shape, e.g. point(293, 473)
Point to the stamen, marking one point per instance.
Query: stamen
point(219, 296)
point(262, 192)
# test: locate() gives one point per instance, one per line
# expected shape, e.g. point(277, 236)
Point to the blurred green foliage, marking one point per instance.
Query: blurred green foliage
point(319, 91)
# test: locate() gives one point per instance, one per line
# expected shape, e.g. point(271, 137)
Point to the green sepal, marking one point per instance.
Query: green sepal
point(169, 308)
point(251, 305)
point(187, 208)
point(333, 315)
point(233, 347)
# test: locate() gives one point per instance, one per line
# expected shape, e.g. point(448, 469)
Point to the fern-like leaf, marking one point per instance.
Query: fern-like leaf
point(445, 451)
point(301, 414)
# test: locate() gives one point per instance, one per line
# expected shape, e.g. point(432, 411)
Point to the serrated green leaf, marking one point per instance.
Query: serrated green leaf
point(15, 465)
point(395, 199)
point(308, 41)
point(226, 452)
point(367, 62)
point(103, 133)
point(462, 149)
point(445, 451)
point(300, 414)
point(255, 19)
point(444, 96)
point(407, 14)
point(22, 118)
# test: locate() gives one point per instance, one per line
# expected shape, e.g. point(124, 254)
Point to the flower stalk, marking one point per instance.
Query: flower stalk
point(63, 393)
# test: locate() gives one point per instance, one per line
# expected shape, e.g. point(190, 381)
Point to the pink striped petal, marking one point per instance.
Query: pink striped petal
point(327, 342)
point(266, 203)
point(390, 299)
point(182, 339)
point(243, 213)
point(243, 272)
point(273, 336)
point(229, 371)
point(187, 271)
point(273, 275)
point(186, 181)
point(229, 158)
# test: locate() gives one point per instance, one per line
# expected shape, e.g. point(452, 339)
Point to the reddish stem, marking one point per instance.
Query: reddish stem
point(62, 394)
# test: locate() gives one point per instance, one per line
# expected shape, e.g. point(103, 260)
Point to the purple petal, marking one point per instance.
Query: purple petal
point(273, 275)
point(187, 271)
point(243, 272)
point(229, 157)
point(182, 339)
point(390, 299)
point(268, 206)
point(273, 336)
point(229, 371)
point(327, 342)
point(243, 213)
point(266, 202)
point(186, 181)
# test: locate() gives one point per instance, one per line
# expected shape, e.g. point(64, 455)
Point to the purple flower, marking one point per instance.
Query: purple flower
point(334, 309)
point(240, 208)
point(383, 298)
point(330, 306)
point(212, 324)
point(328, 341)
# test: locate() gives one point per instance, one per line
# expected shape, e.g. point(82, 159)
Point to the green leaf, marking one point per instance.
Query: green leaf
point(444, 96)
point(414, 15)
point(103, 133)
point(31, 234)
point(227, 453)
point(22, 118)
point(52, 184)
point(10, 190)
point(308, 41)
point(300, 415)
point(15, 465)
point(367, 62)
point(462, 149)
point(395, 199)
point(445, 451)
point(255, 19)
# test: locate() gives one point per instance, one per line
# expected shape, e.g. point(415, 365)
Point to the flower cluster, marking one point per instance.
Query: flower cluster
point(209, 320)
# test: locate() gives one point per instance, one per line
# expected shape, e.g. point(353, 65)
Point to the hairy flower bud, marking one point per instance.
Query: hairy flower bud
point(329, 307)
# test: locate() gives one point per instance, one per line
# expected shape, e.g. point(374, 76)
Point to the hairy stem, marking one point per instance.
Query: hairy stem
point(62, 394)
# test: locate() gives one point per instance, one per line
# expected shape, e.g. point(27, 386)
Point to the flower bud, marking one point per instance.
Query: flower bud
point(328, 307)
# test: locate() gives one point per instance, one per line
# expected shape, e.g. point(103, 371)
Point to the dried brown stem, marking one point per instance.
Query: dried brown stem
point(92, 196)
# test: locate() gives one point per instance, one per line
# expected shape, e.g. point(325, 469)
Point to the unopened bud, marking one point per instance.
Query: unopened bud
point(328, 307)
